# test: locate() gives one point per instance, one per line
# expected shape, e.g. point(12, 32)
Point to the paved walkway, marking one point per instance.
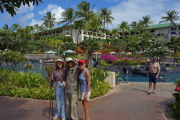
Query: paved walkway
point(124, 102)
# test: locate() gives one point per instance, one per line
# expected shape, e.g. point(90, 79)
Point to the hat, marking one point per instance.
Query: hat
point(59, 60)
point(69, 59)
point(155, 58)
point(81, 61)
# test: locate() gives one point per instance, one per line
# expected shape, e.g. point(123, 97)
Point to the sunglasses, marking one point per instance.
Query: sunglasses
point(80, 63)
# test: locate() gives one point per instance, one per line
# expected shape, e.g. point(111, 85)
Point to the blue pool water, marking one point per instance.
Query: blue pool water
point(137, 78)
point(38, 68)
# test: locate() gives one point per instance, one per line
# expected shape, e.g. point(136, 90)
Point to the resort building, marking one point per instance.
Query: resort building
point(161, 31)
point(75, 33)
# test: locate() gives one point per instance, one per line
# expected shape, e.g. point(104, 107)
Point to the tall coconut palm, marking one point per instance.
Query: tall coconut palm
point(85, 11)
point(174, 44)
point(172, 16)
point(123, 27)
point(106, 16)
point(68, 16)
point(146, 21)
point(15, 27)
point(114, 33)
point(36, 27)
point(49, 20)
point(79, 25)
point(6, 27)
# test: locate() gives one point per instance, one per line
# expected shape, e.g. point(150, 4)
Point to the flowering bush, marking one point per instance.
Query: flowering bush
point(177, 89)
point(175, 106)
point(122, 60)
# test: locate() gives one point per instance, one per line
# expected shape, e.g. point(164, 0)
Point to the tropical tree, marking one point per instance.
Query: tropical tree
point(79, 25)
point(91, 45)
point(12, 6)
point(115, 34)
point(36, 27)
point(68, 17)
point(85, 11)
point(49, 20)
point(6, 27)
point(172, 16)
point(105, 14)
point(123, 27)
point(146, 21)
point(15, 27)
point(174, 44)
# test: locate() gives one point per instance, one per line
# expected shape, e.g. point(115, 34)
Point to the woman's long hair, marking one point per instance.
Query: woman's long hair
point(56, 64)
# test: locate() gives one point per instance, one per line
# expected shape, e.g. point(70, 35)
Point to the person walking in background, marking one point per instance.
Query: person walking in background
point(153, 73)
point(85, 82)
point(71, 90)
point(58, 76)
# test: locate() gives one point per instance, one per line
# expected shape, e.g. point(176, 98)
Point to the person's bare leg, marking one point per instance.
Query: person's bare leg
point(150, 86)
point(154, 88)
point(86, 109)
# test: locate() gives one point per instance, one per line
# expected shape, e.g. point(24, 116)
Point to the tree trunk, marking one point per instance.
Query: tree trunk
point(168, 32)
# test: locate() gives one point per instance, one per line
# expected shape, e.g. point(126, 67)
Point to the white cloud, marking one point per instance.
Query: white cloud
point(23, 19)
point(25, 9)
point(33, 22)
point(54, 9)
point(133, 10)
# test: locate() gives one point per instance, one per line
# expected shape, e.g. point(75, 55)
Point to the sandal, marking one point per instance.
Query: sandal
point(148, 93)
point(154, 93)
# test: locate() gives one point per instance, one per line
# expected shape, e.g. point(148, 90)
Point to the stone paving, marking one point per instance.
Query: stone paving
point(124, 102)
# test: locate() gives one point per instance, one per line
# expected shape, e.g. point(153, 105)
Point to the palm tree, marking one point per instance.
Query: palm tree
point(6, 27)
point(146, 21)
point(114, 33)
point(85, 11)
point(15, 27)
point(36, 27)
point(172, 16)
point(123, 27)
point(106, 16)
point(49, 20)
point(68, 17)
point(79, 25)
point(174, 44)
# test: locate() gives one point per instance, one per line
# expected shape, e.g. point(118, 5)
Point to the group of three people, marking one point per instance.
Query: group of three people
point(67, 80)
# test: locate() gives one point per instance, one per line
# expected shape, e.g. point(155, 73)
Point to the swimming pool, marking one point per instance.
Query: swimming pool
point(138, 78)
point(38, 68)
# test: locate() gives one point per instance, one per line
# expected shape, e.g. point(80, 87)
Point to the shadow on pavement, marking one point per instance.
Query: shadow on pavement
point(14, 108)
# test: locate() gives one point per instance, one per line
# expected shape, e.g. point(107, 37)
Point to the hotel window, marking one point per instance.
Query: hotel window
point(173, 33)
point(151, 30)
point(173, 28)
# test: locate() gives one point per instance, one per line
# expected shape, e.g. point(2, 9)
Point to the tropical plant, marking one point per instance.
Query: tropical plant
point(105, 14)
point(123, 27)
point(85, 11)
point(49, 20)
point(174, 44)
point(172, 16)
point(146, 21)
point(12, 7)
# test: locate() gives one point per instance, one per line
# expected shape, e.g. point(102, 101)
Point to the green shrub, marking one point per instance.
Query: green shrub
point(175, 106)
point(25, 85)
point(99, 86)
point(178, 61)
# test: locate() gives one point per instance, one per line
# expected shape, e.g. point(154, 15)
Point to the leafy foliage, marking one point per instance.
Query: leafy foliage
point(20, 84)
point(12, 6)
point(99, 87)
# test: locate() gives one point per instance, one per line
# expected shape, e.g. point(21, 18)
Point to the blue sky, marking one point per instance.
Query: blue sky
point(122, 10)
